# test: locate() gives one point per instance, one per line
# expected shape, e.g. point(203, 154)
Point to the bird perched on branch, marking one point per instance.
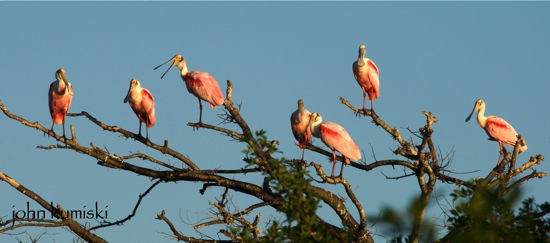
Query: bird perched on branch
point(200, 84)
point(366, 74)
point(299, 121)
point(336, 138)
point(60, 96)
point(143, 104)
point(497, 128)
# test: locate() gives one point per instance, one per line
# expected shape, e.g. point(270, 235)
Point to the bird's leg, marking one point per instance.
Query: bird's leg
point(51, 129)
point(197, 125)
point(63, 124)
point(333, 163)
point(365, 100)
point(501, 152)
point(200, 113)
point(371, 106)
point(342, 169)
point(146, 132)
point(139, 131)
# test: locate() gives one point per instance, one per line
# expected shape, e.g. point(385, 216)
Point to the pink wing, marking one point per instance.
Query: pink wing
point(204, 87)
point(59, 104)
point(148, 104)
point(295, 124)
point(50, 98)
point(500, 130)
point(374, 83)
point(336, 137)
point(298, 123)
point(360, 75)
point(367, 77)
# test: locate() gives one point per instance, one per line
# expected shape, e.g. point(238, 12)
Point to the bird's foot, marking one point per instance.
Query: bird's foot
point(362, 112)
point(197, 125)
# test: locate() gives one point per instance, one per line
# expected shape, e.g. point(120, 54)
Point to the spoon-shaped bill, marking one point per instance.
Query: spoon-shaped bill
point(471, 113)
point(174, 62)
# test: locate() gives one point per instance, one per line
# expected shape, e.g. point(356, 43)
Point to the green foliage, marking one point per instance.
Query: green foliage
point(479, 215)
point(290, 180)
point(399, 223)
point(484, 215)
point(268, 146)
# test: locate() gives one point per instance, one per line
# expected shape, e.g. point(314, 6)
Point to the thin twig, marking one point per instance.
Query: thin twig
point(121, 221)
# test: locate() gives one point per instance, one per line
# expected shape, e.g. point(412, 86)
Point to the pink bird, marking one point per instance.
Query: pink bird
point(200, 84)
point(336, 138)
point(299, 121)
point(366, 74)
point(497, 128)
point(143, 104)
point(60, 96)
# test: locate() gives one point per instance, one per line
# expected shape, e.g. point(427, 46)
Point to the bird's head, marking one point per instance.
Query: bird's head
point(134, 83)
point(315, 119)
point(301, 103)
point(362, 52)
point(479, 105)
point(177, 60)
point(62, 76)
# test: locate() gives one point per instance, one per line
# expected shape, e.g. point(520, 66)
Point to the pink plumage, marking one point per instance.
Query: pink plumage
point(500, 130)
point(366, 75)
point(336, 138)
point(200, 84)
point(204, 87)
point(142, 103)
point(299, 120)
point(299, 124)
point(496, 128)
point(60, 96)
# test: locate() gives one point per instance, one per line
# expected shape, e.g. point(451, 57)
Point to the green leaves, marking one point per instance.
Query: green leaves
point(483, 215)
point(290, 180)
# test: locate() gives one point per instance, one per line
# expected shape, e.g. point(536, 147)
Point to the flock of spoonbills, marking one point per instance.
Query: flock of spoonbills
point(303, 123)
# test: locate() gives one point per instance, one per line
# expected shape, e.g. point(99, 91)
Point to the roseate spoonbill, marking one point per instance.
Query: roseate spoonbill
point(366, 74)
point(60, 96)
point(299, 121)
point(497, 128)
point(143, 104)
point(200, 84)
point(336, 138)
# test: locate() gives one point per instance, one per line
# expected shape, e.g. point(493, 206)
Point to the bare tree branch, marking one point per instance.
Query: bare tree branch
point(58, 212)
point(116, 129)
point(119, 222)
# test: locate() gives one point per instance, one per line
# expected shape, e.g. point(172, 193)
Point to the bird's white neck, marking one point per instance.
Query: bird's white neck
point(183, 68)
point(361, 59)
point(61, 86)
point(315, 127)
point(481, 118)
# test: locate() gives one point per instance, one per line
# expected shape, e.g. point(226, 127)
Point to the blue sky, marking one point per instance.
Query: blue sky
point(432, 56)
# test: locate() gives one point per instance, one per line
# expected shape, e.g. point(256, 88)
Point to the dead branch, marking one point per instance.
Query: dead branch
point(58, 212)
point(116, 129)
point(121, 221)
point(408, 149)
point(239, 214)
point(178, 235)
